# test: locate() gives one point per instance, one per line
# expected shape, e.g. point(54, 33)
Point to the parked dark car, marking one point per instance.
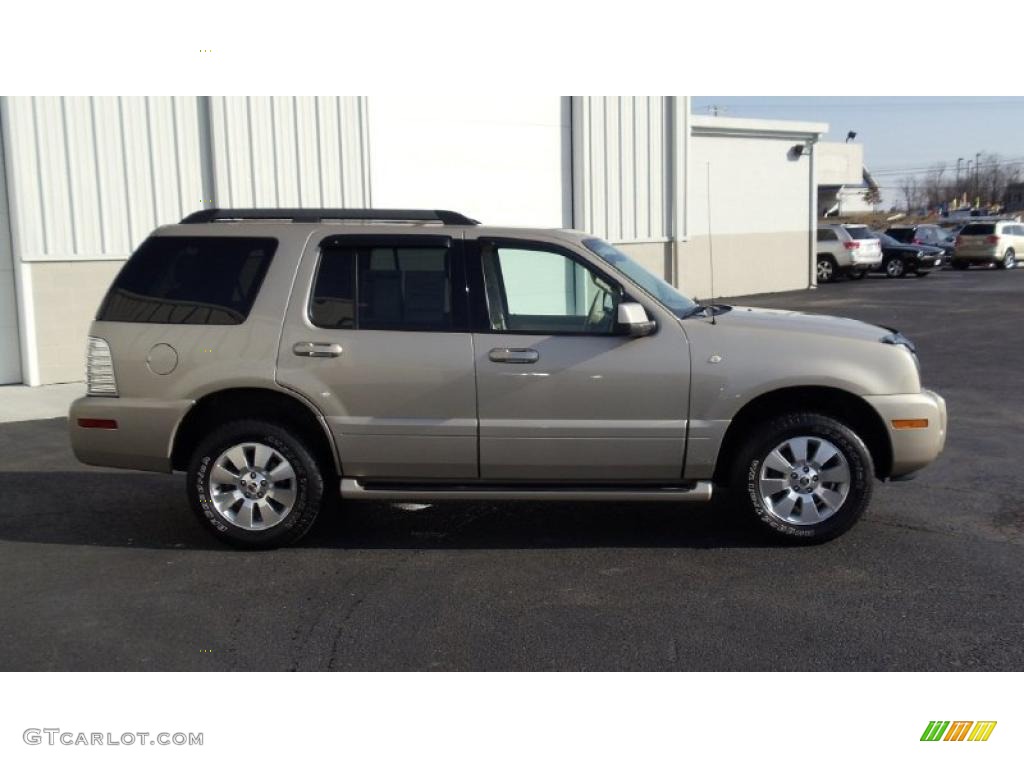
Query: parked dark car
point(899, 259)
point(925, 234)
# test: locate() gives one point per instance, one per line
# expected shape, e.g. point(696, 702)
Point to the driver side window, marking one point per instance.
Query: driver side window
point(543, 291)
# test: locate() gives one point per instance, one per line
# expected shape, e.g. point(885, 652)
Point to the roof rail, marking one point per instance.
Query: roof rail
point(326, 214)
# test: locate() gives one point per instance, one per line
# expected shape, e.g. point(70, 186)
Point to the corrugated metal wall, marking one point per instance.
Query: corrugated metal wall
point(620, 147)
point(291, 151)
point(92, 176)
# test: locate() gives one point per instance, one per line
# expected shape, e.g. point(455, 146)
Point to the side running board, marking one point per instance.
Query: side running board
point(352, 488)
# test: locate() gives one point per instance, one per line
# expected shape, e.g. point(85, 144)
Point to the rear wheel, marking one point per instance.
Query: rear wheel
point(826, 269)
point(894, 267)
point(1009, 260)
point(805, 476)
point(255, 485)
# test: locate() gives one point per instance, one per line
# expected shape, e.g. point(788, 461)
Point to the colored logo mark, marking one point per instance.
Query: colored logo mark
point(958, 730)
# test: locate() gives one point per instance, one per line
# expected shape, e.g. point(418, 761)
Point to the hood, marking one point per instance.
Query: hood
point(783, 320)
point(927, 250)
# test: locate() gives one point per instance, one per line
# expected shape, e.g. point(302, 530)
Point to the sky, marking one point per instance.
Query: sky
point(899, 133)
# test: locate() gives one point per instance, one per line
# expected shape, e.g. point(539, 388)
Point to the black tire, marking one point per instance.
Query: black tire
point(1009, 260)
point(746, 472)
point(308, 484)
point(958, 264)
point(828, 271)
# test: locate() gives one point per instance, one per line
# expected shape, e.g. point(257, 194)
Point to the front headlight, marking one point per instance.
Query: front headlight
point(99, 369)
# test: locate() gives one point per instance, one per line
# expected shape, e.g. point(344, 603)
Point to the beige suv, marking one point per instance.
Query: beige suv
point(990, 242)
point(288, 360)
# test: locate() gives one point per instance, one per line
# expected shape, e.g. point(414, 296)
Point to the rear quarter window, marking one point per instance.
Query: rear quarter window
point(903, 234)
point(860, 233)
point(978, 229)
point(190, 281)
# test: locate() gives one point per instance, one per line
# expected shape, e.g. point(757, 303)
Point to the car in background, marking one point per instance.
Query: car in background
point(901, 259)
point(989, 242)
point(925, 234)
point(850, 250)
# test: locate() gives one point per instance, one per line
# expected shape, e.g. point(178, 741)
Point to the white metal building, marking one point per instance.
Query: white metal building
point(85, 180)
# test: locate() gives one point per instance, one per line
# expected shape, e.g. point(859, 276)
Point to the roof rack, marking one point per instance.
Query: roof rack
point(326, 214)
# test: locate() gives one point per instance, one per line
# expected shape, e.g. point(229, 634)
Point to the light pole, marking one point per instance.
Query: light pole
point(977, 179)
point(958, 161)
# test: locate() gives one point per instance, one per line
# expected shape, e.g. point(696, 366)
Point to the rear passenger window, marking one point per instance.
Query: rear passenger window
point(385, 287)
point(189, 281)
point(824, 235)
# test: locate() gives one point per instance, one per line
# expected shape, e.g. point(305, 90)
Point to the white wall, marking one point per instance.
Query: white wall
point(287, 151)
point(10, 349)
point(495, 158)
point(622, 167)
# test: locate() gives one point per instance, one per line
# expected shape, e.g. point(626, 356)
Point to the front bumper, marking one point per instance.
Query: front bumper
point(912, 448)
point(143, 437)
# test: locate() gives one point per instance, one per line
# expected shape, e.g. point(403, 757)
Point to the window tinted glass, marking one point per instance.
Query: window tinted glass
point(190, 280)
point(978, 229)
point(384, 287)
point(541, 291)
point(825, 235)
point(860, 233)
point(903, 234)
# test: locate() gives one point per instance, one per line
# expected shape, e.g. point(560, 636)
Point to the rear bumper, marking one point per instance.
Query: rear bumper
point(143, 437)
point(916, 447)
point(978, 254)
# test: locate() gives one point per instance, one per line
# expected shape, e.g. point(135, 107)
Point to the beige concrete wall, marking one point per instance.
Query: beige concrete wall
point(765, 262)
point(65, 297)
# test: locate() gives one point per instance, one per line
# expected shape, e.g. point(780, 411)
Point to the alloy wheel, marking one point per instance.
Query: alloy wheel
point(804, 480)
point(252, 486)
point(894, 268)
point(825, 271)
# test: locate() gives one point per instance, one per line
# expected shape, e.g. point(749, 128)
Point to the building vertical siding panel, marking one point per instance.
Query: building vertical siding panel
point(27, 214)
point(188, 157)
point(293, 151)
point(111, 178)
point(84, 203)
point(52, 159)
point(621, 158)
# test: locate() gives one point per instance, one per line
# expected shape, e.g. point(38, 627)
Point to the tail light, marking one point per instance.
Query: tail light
point(992, 239)
point(851, 245)
point(99, 369)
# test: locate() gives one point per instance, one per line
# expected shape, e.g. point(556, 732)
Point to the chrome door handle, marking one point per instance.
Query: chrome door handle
point(316, 349)
point(506, 355)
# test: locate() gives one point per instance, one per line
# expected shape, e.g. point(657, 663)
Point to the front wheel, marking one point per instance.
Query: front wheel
point(805, 477)
point(255, 485)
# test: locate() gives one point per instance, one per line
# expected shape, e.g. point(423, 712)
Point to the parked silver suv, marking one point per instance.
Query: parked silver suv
point(850, 250)
point(284, 358)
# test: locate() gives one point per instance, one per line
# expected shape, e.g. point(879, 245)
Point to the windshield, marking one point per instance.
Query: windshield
point(662, 291)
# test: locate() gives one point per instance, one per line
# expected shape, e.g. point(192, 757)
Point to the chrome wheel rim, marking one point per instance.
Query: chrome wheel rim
point(824, 270)
point(804, 480)
point(894, 268)
point(252, 486)
point(1011, 260)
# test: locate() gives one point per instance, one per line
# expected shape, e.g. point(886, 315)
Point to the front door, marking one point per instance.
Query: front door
point(377, 337)
point(563, 395)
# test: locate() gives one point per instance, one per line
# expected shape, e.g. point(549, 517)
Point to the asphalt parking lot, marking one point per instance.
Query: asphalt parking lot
point(102, 569)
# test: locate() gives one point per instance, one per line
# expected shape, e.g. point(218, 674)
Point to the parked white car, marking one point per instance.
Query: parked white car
point(849, 250)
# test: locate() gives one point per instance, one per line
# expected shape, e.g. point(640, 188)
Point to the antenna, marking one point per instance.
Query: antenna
point(711, 250)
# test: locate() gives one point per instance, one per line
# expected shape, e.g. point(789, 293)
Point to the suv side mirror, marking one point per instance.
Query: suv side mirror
point(634, 320)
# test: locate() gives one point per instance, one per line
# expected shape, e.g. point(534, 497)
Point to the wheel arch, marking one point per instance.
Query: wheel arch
point(840, 404)
point(275, 405)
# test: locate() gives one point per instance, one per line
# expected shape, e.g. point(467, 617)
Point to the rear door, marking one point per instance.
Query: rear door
point(377, 337)
point(563, 395)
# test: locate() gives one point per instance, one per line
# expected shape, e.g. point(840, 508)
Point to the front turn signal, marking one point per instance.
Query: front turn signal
point(910, 423)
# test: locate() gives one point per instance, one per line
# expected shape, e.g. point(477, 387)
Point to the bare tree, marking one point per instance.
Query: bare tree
point(911, 192)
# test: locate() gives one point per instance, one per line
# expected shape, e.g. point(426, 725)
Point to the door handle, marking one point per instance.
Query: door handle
point(316, 349)
point(506, 355)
